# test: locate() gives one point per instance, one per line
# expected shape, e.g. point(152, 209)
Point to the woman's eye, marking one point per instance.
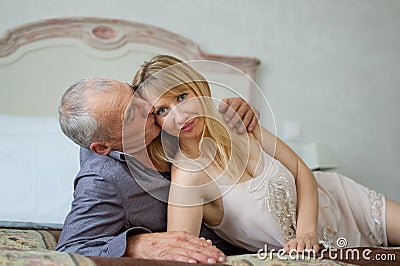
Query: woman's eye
point(181, 96)
point(161, 111)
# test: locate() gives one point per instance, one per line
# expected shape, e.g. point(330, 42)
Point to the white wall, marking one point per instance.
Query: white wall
point(332, 65)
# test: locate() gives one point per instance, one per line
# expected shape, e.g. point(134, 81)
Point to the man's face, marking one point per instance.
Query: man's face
point(140, 126)
point(129, 118)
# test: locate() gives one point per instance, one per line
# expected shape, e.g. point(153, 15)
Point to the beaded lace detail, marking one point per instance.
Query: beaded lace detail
point(280, 203)
point(376, 201)
point(326, 237)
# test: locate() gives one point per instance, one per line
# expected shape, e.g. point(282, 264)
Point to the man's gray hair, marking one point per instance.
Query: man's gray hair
point(75, 116)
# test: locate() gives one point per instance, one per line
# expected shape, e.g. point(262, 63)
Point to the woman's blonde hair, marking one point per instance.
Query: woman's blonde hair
point(169, 77)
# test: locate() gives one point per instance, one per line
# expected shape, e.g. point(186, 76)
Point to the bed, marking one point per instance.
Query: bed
point(27, 246)
point(38, 62)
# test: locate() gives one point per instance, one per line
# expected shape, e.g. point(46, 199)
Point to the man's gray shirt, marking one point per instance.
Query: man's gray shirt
point(113, 201)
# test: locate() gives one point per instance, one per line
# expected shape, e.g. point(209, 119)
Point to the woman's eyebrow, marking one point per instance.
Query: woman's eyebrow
point(158, 106)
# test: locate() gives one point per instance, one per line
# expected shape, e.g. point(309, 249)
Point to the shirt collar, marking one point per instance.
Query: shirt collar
point(117, 156)
point(120, 156)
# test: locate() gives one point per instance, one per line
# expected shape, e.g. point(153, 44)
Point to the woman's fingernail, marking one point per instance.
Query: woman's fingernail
point(221, 258)
point(192, 261)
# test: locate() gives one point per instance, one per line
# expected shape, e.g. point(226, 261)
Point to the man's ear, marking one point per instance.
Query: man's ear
point(100, 148)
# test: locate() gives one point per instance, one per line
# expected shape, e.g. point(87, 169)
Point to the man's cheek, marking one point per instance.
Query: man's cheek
point(160, 121)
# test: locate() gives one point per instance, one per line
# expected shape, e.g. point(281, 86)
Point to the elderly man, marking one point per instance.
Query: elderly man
point(112, 214)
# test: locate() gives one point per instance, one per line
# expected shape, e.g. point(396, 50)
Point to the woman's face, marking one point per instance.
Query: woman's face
point(180, 114)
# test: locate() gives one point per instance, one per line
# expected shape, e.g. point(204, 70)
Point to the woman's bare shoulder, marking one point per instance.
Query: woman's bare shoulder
point(189, 173)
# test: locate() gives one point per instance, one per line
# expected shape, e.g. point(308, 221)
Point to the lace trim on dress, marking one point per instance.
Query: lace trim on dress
point(376, 201)
point(280, 203)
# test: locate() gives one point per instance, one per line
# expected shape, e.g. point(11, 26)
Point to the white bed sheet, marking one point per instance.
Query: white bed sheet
point(37, 166)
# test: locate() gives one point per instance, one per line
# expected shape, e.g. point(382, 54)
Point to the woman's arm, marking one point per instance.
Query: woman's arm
point(306, 186)
point(186, 201)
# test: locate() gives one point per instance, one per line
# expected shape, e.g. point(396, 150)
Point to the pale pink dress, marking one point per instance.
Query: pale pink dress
point(263, 211)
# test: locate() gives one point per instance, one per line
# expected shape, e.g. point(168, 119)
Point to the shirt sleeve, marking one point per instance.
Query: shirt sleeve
point(97, 224)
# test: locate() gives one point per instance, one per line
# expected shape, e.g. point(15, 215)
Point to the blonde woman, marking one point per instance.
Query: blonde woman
point(252, 189)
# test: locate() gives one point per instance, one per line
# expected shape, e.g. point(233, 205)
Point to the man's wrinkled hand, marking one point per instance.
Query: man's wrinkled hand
point(177, 246)
point(239, 115)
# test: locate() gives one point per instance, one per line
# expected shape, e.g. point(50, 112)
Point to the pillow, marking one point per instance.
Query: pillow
point(38, 164)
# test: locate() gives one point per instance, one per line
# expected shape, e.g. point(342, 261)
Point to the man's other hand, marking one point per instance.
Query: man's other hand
point(238, 114)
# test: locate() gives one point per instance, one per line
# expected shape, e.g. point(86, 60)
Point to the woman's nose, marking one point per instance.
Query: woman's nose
point(178, 115)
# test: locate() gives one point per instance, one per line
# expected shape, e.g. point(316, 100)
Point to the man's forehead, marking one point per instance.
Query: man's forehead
point(116, 100)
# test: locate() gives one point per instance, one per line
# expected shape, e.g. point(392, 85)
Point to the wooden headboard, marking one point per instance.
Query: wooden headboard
point(38, 62)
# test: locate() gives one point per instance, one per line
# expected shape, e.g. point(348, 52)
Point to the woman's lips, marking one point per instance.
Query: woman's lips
point(188, 126)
